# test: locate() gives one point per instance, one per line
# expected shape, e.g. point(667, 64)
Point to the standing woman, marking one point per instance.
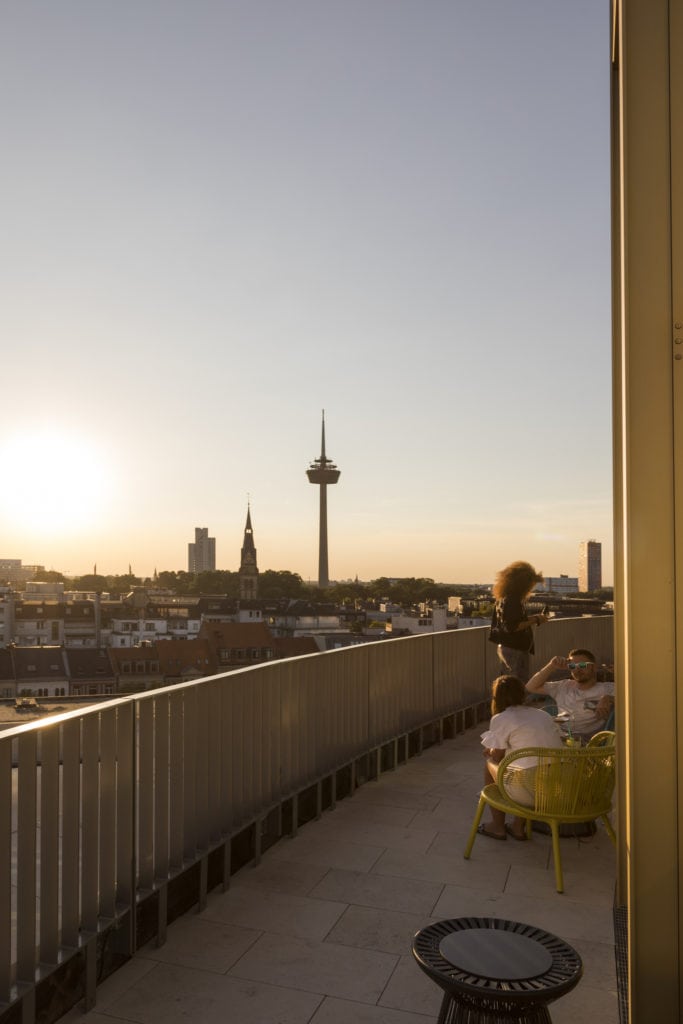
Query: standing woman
point(511, 627)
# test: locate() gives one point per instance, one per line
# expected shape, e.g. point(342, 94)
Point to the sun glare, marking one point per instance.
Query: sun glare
point(53, 482)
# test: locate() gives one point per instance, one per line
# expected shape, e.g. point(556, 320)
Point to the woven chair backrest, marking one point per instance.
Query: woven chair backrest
point(571, 781)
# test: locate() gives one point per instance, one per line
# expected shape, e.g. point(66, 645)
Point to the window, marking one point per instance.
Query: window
point(125, 666)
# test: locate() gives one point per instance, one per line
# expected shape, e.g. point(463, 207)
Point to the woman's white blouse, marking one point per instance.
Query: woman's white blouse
point(521, 726)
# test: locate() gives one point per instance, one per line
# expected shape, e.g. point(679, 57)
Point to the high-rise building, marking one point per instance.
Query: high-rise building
point(322, 472)
point(201, 556)
point(590, 565)
point(248, 571)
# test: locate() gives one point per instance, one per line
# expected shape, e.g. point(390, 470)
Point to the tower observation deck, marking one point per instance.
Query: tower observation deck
point(322, 472)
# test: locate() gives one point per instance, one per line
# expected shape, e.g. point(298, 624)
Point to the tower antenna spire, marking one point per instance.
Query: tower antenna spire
point(322, 472)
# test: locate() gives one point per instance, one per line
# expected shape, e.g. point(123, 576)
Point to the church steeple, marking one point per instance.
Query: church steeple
point(248, 571)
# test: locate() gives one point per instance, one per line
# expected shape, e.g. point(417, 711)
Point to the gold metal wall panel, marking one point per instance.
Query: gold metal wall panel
point(107, 812)
point(27, 822)
point(6, 806)
point(90, 820)
point(145, 797)
point(162, 746)
point(49, 843)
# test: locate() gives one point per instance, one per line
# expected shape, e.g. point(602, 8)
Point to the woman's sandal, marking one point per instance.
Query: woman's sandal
point(483, 831)
point(510, 832)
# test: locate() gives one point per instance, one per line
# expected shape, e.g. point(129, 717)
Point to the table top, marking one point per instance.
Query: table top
point(491, 953)
point(508, 960)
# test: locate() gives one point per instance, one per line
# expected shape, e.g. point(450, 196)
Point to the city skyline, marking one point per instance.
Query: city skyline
point(396, 212)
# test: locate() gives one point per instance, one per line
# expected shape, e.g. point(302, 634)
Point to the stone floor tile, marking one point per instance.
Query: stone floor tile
point(384, 930)
point(77, 1016)
point(598, 963)
point(323, 967)
point(491, 851)
point(410, 989)
point(308, 849)
point(383, 892)
point(526, 880)
point(353, 810)
point(569, 919)
point(341, 1011)
point(395, 795)
point(298, 916)
point(280, 876)
point(463, 901)
point(586, 1003)
point(454, 870)
point(132, 972)
point(174, 995)
point(202, 943)
point(371, 833)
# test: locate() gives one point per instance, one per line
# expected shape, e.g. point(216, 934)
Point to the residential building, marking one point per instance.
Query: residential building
point(201, 555)
point(40, 671)
point(590, 565)
point(237, 644)
point(90, 671)
point(561, 584)
point(12, 571)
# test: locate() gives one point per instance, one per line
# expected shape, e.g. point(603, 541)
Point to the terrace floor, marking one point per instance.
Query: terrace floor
point(320, 932)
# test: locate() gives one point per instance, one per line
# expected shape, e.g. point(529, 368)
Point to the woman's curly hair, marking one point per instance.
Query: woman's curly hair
point(516, 580)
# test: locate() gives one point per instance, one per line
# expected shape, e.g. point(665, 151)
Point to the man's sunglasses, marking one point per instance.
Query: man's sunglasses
point(579, 664)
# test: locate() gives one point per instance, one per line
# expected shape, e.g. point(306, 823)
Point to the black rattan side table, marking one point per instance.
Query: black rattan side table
point(493, 970)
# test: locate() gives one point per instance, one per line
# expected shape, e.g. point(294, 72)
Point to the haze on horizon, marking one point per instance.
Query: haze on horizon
point(221, 217)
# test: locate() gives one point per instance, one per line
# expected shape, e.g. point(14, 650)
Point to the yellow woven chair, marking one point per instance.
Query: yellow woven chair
point(605, 738)
point(568, 784)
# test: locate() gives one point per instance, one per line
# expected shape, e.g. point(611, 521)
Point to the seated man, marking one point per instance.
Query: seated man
point(587, 701)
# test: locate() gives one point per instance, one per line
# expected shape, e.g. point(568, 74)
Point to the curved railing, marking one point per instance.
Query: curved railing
point(116, 817)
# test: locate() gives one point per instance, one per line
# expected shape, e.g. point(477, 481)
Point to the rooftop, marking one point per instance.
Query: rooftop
point(320, 931)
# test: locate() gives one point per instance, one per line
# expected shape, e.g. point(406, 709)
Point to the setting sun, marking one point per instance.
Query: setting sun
point(54, 482)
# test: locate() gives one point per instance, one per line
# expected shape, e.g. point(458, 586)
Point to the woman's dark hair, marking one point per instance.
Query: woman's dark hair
point(516, 580)
point(508, 692)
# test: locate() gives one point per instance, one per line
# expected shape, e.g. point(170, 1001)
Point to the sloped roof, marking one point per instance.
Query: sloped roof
point(295, 646)
point(236, 634)
point(88, 662)
point(176, 656)
point(38, 663)
point(120, 654)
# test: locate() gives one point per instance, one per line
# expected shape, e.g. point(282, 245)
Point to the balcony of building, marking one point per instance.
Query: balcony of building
point(262, 846)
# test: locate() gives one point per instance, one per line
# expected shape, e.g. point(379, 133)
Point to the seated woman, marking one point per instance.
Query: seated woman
point(513, 725)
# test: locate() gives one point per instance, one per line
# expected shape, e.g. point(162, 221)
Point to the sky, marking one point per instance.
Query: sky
point(221, 216)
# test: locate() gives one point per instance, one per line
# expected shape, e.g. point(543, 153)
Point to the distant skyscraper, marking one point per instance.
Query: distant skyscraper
point(248, 569)
point(323, 472)
point(590, 565)
point(201, 556)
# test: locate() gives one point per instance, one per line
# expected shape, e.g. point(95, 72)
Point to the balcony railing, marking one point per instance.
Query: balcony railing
point(115, 819)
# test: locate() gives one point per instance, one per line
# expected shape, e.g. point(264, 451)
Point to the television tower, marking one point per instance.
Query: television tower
point(323, 472)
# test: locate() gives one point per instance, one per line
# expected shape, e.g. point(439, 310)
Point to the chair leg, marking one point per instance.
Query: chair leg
point(475, 825)
point(608, 826)
point(527, 826)
point(557, 858)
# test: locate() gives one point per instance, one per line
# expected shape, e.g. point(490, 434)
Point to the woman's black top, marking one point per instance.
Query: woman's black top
point(507, 615)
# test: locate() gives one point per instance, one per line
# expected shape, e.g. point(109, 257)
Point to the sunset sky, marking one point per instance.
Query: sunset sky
point(221, 216)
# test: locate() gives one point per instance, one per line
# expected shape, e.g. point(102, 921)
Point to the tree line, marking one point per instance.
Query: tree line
point(272, 585)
